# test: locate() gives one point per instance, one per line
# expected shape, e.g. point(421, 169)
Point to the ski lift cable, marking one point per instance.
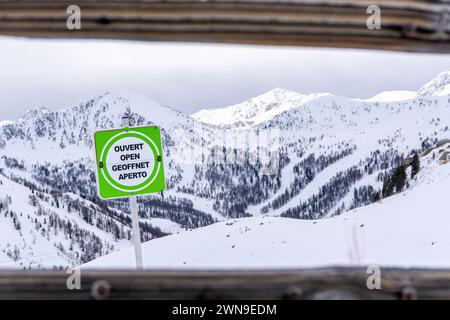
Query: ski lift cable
point(51, 257)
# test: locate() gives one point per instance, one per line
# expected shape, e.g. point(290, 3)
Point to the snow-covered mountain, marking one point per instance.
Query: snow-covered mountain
point(409, 229)
point(270, 104)
point(256, 110)
point(328, 154)
point(52, 214)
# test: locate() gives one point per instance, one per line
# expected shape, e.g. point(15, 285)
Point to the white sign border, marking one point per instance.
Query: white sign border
point(157, 169)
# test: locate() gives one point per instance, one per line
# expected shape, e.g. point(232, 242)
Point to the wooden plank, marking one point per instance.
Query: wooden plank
point(329, 283)
point(406, 25)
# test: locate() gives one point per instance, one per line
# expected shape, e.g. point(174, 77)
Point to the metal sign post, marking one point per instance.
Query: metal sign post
point(134, 209)
point(136, 232)
point(129, 163)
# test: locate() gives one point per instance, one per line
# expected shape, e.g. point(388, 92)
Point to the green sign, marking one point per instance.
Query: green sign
point(129, 162)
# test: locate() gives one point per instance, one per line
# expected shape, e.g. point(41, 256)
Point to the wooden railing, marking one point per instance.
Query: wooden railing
point(335, 283)
point(406, 25)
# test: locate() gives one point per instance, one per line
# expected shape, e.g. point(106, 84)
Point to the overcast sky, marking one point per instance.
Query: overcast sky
point(189, 77)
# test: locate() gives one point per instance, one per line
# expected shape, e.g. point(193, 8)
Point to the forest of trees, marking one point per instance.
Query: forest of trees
point(328, 196)
point(304, 172)
point(235, 186)
point(396, 180)
point(340, 185)
point(363, 195)
point(79, 179)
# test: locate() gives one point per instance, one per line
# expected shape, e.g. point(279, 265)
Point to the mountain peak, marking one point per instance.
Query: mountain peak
point(280, 93)
point(32, 113)
point(5, 122)
point(141, 104)
point(255, 110)
point(438, 86)
point(277, 95)
point(106, 110)
point(73, 127)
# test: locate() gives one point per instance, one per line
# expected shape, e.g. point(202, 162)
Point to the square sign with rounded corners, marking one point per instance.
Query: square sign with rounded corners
point(129, 162)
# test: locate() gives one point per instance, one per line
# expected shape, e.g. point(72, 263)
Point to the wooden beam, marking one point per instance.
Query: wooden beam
point(329, 283)
point(407, 25)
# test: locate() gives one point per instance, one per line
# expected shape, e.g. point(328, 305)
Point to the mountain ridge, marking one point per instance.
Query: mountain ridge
point(243, 115)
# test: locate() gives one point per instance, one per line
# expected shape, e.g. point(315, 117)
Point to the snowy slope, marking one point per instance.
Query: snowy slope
point(439, 86)
point(28, 227)
point(407, 229)
point(397, 95)
point(5, 122)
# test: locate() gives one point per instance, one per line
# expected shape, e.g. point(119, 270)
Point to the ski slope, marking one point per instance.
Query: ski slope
point(409, 229)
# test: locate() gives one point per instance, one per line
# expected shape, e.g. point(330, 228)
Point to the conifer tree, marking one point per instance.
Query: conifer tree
point(415, 166)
